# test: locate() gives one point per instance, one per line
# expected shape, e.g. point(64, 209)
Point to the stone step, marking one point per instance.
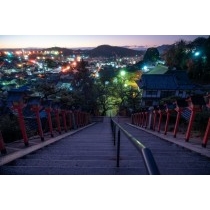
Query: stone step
point(107, 163)
point(39, 170)
point(79, 157)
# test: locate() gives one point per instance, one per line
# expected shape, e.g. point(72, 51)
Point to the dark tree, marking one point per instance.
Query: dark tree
point(151, 55)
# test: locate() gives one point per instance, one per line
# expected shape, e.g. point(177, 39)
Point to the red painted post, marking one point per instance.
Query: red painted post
point(22, 123)
point(160, 119)
point(2, 146)
point(79, 116)
point(63, 112)
point(49, 119)
point(206, 135)
point(143, 119)
point(194, 104)
point(39, 125)
point(189, 128)
point(154, 120)
point(167, 121)
point(146, 119)
point(136, 119)
point(36, 109)
point(58, 120)
point(133, 119)
point(86, 119)
point(207, 132)
point(178, 116)
point(70, 119)
point(81, 119)
point(76, 118)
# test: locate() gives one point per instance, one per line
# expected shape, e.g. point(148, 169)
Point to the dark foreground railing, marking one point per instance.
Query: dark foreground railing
point(148, 158)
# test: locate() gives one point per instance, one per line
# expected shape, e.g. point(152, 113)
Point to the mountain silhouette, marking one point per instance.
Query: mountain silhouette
point(113, 51)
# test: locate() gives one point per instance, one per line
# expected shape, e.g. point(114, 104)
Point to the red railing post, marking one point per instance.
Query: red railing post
point(2, 146)
point(154, 120)
point(146, 119)
point(195, 104)
point(49, 119)
point(79, 119)
point(82, 121)
point(167, 121)
point(22, 123)
point(58, 120)
point(63, 112)
point(143, 119)
point(160, 119)
point(86, 118)
point(178, 116)
point(206, 135)
point(207, 132)
point(137, 119)
point(189, 128)
point(70, 120)
point(36, 108)
point(76, 119)
point(132, 122)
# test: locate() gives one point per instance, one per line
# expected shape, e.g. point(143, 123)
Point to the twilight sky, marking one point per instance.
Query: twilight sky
point(74, 41)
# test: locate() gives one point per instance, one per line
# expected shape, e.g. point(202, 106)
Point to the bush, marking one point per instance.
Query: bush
point(9, 127)
point(201, 121)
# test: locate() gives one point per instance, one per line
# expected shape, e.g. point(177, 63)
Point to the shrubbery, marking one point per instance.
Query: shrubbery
point(201, 121)
point(10, 128)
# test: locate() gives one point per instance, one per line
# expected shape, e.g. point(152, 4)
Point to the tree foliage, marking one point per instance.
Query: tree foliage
point(193, 57)
point(151, 55)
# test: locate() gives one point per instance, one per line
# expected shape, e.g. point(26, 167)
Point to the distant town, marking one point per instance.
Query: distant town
point(29, 66)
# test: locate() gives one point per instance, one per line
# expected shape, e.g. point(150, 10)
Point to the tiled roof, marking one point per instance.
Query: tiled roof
point(158, 82)
point(176, 80)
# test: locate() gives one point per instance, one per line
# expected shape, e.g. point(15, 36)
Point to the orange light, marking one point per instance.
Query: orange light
point(74, 63)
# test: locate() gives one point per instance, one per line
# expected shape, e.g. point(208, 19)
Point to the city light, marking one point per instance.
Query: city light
point(197, 53)
point(122, 73)
point(145, 69)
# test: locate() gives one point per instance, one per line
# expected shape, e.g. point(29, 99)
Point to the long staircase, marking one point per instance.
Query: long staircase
point(92, 152)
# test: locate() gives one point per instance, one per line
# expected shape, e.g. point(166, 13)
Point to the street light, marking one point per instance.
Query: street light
point(122, 73)
point(197, 53)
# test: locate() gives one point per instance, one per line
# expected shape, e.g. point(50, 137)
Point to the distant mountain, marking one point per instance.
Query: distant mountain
point(113, 51)
point(163, 48)
point(101, 51)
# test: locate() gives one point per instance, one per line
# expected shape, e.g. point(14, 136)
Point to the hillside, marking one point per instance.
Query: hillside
point(113, 51)
point(163, 48)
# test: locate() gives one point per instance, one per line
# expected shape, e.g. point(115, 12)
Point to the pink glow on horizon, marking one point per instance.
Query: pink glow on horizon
point(76, 41)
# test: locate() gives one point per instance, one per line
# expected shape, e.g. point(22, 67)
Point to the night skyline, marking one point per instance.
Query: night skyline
point(85, 41)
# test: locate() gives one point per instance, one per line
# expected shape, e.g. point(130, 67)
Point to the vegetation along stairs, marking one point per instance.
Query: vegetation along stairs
point(92, 152)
